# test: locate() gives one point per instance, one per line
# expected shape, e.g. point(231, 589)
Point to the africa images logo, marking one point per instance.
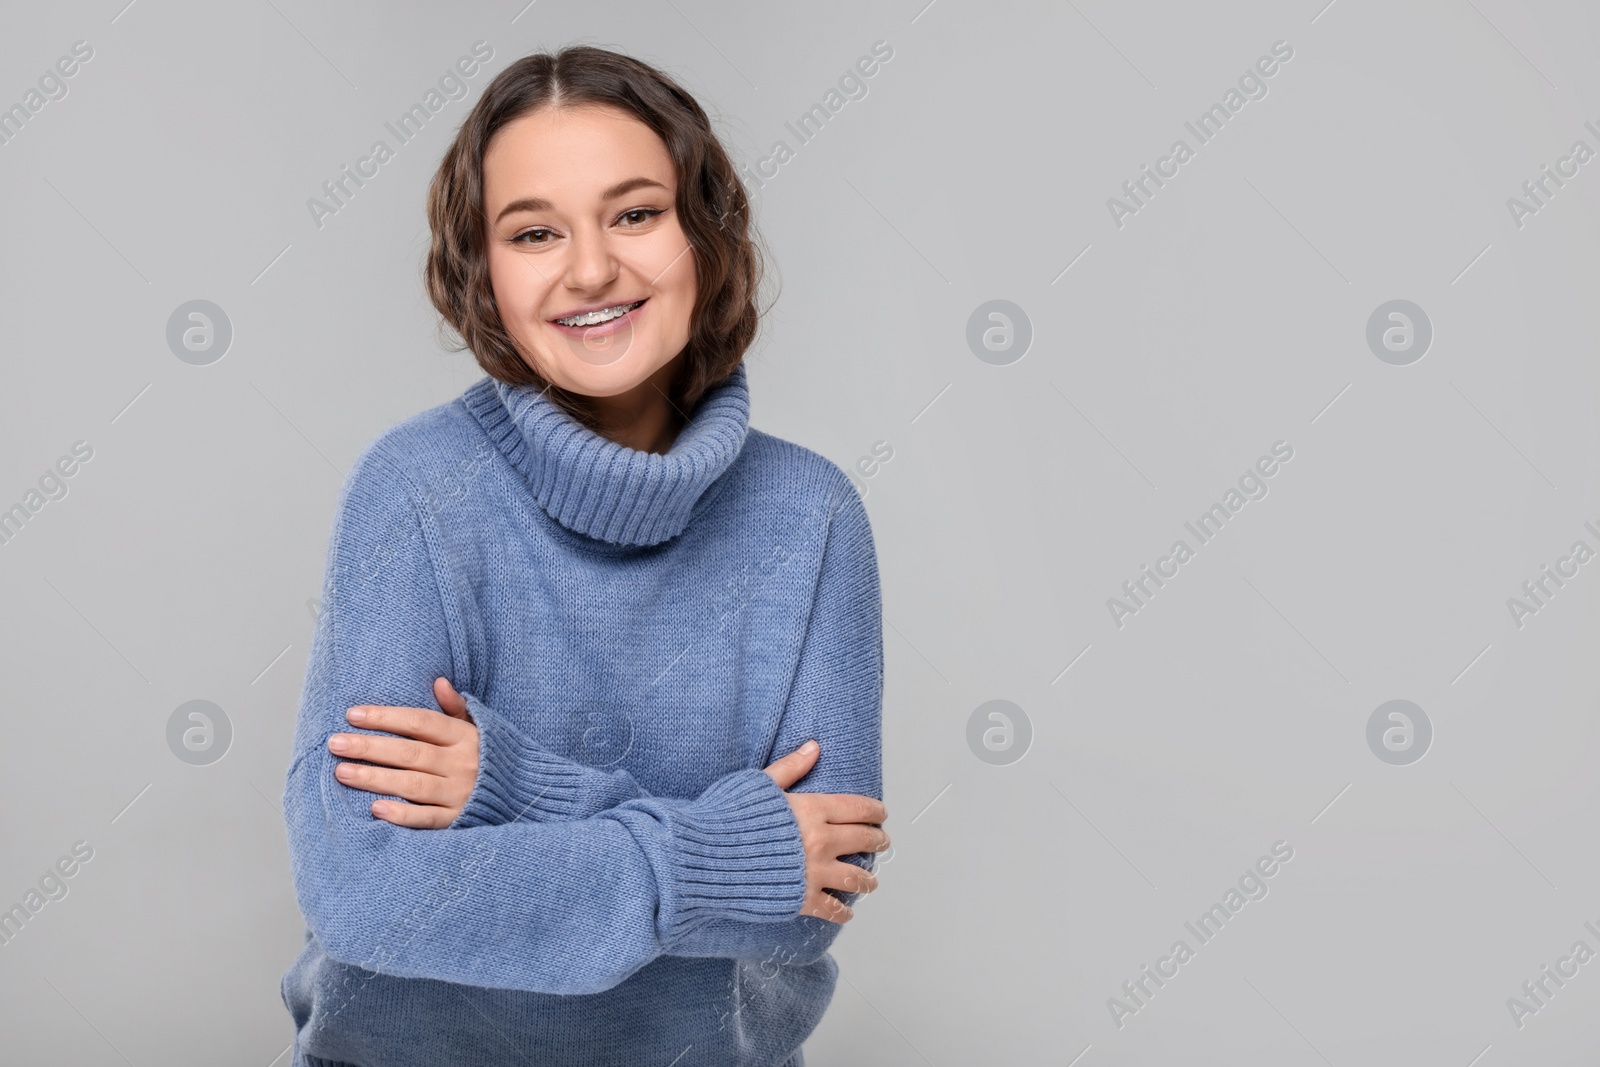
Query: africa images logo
point(451, 86)
point(1252, 486)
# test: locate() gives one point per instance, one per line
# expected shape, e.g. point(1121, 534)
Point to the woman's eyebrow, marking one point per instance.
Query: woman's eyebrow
point(535, 203)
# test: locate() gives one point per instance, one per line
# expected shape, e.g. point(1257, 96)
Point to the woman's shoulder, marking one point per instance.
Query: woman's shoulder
point(435, 448)
point(794, 477)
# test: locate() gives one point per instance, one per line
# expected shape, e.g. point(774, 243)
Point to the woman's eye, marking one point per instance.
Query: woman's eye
point(631, 219)
point(647, 212)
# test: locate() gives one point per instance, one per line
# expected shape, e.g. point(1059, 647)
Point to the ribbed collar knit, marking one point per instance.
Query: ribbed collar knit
point(594, 486)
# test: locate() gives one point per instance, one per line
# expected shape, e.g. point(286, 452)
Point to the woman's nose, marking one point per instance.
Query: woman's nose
point(592, 264)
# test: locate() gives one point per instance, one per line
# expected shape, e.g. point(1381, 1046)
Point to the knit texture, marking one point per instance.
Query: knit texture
point(636, 636)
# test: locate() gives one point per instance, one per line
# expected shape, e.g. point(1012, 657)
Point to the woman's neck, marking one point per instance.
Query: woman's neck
point(644, 417)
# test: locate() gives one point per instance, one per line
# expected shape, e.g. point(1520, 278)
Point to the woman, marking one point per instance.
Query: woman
point(625, 599)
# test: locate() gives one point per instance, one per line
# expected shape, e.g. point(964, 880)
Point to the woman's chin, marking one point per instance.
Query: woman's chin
point(625, 370)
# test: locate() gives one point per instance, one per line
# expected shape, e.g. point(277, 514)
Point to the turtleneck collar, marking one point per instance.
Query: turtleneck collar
point(594, 486)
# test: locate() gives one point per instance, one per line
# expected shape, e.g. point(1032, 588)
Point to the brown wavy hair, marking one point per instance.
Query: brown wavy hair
point(712, 207)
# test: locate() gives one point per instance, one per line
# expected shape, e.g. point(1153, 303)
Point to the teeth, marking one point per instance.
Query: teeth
point(595, 317)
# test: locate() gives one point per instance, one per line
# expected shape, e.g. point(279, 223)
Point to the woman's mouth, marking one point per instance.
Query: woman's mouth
point(589, 321)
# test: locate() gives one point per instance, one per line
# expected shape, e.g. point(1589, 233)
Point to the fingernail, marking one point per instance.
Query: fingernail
point(357, 714)
point(809, 747)
point(338, 742)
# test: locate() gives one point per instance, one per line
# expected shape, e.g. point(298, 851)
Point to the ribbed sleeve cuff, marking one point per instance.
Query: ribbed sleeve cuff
point(516, 779)
point(738, 855)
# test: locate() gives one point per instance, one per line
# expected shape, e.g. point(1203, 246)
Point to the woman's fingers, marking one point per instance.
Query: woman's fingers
point(841, 807)
point(848, 878)
point(857, 837)
point(415, 786)
point(851, 807)
point(452, 702)
point(433, 763)
point(787, 770)
point(833, 825)
point(400, 752)
point(829, 840)
point(847, 839)
point(420, 723)
point(826, 906)
point(416, 816)
point(845, 877)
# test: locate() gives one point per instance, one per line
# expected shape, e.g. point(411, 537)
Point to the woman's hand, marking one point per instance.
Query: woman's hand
point(831, 825)
point(434, 764)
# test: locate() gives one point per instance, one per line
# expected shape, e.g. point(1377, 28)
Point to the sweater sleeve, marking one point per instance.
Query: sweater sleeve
point(520, 779)
point(571, 906)
point(836, 696)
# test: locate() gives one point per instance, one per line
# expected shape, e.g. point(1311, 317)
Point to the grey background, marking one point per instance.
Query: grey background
point(1228, 314)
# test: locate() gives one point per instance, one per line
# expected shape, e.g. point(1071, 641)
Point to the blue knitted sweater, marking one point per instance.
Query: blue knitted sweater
point(636, 636)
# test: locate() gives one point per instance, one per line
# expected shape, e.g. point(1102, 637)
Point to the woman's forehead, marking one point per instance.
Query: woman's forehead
point(572, 152)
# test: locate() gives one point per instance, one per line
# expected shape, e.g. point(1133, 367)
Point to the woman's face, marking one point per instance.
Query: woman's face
point(580, 210)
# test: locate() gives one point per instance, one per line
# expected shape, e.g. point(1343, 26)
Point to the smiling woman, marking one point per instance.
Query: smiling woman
point(563, 263)
point(585, 183)
point(552, 783)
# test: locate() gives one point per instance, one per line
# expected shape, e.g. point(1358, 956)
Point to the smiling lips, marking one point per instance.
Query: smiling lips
point(598, 315)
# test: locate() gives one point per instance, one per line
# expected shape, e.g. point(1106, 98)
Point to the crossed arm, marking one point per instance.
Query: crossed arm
point(539, 819)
